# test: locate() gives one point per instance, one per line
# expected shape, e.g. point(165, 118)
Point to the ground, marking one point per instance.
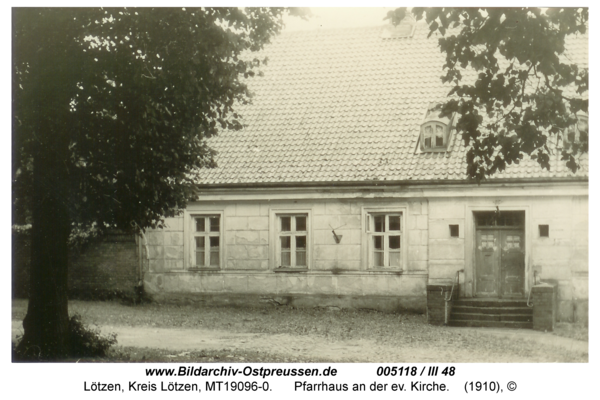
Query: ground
point(153, 332)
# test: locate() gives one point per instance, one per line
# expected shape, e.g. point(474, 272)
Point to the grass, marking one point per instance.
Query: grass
point(140, 355)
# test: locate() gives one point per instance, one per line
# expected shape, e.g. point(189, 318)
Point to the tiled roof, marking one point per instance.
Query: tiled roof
point(346, 105)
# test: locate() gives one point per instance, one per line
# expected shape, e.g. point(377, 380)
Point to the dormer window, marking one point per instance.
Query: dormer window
point(435, 130)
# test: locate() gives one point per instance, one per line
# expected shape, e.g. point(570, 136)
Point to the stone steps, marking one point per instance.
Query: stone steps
point(493, 313)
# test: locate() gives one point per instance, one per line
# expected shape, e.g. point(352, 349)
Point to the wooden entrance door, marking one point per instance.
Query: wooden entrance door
point(500, 256)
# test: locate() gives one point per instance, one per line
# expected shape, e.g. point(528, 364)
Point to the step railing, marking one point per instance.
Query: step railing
point(448, 299)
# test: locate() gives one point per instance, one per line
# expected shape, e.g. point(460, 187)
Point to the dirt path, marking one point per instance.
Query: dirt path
point(540, 347)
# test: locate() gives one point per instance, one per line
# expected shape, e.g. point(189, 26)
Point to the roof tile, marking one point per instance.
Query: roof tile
point(346, 105)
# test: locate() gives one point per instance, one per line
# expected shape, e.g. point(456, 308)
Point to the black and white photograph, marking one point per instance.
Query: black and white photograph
point(284, 192)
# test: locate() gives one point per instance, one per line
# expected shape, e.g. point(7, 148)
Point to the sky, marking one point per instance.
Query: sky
point(332, 17)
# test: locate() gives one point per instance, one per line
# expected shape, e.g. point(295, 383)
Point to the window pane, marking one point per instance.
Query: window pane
point(428, 142)
point(285, 242)
point(439, 130)
point(428, 130)
point(394, 258)
point(300, 258)
point(214, 224)
point(394, 222)
point(200, 224)
point(214, 258)
point(286, 224)
point(378, 259)
point(378, 242)
point(301, 242)
point(214, 242)
point(199, 243)
point(285, 258)
point(439, 141)
point(199, 258)
point(300, 223)
point(394, 242)
point(379, 223)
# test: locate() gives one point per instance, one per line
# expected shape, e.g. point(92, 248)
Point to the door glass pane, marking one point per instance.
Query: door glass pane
point(200, 225)
point(394, 222)
point(379, 223)
point(300, 223)
point(286, 224)
point(214, 224)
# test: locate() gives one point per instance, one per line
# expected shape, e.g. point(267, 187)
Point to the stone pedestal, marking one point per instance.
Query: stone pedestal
point(544, 307)
point(436, 305)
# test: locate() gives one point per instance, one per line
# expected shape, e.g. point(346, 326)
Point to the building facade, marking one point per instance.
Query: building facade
point(345, 189)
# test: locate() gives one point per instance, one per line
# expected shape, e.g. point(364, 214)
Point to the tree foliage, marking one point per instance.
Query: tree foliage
point(525, 89)
point(126, 98)
point(111, 111)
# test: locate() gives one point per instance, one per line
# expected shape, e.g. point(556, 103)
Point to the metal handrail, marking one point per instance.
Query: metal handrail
point(456, 282)
point(447, 300)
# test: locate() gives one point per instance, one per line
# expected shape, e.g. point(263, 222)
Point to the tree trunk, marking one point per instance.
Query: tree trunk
point(47, 321)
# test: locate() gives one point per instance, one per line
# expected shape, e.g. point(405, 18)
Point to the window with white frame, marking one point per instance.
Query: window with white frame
point(292, 240)
point(384, 236)
point(205, 241)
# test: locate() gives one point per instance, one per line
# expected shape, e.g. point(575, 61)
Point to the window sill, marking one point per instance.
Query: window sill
point(394, 270)
point(290, 270)
point(208, 269)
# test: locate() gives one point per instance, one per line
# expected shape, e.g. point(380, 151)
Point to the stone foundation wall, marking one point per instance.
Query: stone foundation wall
point(384, 292)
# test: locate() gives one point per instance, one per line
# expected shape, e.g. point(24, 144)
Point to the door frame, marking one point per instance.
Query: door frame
point(471, 236)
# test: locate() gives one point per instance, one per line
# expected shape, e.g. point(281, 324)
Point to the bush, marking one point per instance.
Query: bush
point(84, 342)
point(88, 342)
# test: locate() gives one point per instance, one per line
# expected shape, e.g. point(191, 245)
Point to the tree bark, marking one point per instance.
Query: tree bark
point(46, 324)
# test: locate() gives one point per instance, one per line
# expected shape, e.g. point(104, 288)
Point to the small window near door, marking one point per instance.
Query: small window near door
point(544, 230)
point(453, 231)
